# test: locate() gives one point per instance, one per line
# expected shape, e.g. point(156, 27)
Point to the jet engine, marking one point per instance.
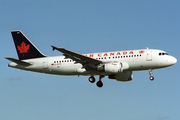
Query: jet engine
point(113, 67)
point(124, 76)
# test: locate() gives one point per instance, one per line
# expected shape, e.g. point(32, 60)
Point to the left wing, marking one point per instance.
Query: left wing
point(84, 60)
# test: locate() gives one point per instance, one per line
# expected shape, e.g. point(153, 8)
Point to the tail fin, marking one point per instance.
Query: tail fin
point(25, 49)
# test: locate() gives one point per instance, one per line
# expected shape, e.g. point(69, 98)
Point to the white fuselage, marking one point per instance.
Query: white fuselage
point(134, 60)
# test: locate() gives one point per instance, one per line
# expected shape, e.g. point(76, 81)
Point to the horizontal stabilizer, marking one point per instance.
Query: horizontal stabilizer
point(18, 61)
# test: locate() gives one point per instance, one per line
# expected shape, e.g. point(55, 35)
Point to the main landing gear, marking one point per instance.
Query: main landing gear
point(92, 79)
point(150, 73)
point(99, 83)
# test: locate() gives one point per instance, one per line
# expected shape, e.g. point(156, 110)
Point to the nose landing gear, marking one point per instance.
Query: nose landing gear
point(151, 78)
point(150, 73)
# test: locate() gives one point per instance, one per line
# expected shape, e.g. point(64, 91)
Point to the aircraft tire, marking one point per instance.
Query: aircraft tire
point(92, 79)
point(99, 84)
point(151, 78)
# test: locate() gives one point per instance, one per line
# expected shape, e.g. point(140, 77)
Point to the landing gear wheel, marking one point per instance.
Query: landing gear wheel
point(92, 79)
point(151, 78)
point(150, 73)
point(99, 84)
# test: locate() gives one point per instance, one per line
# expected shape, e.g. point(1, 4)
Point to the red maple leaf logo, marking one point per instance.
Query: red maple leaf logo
point(141, 52)
point(23, 48)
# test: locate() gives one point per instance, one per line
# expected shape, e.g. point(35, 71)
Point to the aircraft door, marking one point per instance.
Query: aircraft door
point(148, 55)
point(45, 63)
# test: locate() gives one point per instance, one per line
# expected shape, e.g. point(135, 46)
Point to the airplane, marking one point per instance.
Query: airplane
point(117, 65)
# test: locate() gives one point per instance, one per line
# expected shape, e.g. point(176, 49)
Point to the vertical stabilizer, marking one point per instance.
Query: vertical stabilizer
point(24, 47)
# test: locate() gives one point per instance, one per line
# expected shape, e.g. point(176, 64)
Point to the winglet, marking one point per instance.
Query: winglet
point(53, 48)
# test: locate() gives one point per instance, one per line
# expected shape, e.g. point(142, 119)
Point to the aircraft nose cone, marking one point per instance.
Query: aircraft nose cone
point(174, 60)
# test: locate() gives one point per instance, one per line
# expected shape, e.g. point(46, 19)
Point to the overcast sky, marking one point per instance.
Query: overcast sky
point(87, 26)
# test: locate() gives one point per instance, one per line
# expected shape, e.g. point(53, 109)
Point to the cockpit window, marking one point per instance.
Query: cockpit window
point(163, 54)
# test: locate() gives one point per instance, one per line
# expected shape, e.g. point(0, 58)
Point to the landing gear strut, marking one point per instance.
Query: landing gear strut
point(150, 73)
point(99, 83)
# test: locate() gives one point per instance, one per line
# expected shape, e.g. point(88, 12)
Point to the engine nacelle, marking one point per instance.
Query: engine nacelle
point(113, 67)
point(124, 76)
